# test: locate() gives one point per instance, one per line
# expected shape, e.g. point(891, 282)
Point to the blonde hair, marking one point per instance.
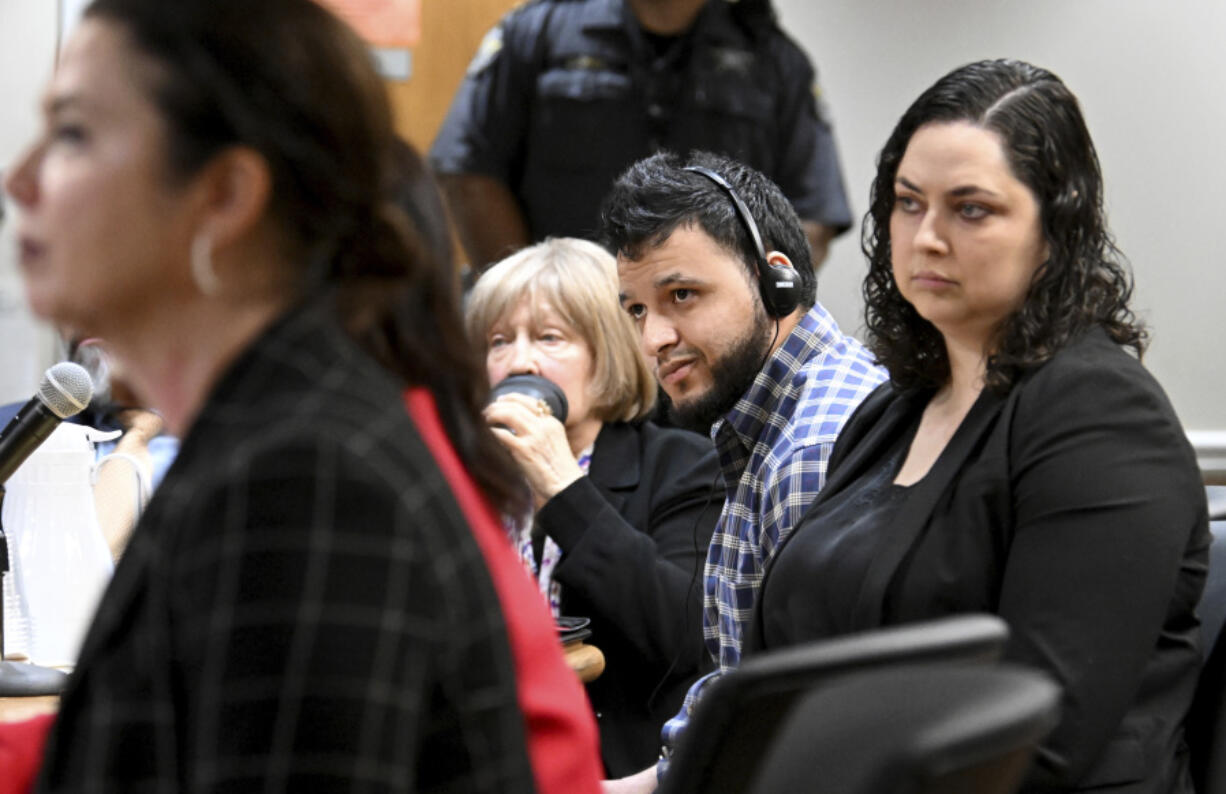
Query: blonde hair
point(579, 280)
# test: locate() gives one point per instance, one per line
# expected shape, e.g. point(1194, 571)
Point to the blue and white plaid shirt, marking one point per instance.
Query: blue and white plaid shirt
point(773, 447)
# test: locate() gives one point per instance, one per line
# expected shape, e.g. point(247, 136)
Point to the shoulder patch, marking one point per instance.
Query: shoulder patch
point(487, 51)
point(820, 107)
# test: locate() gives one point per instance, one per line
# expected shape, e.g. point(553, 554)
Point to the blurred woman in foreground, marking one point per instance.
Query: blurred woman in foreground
point(1020, 461)
point(624, 508)
point(303, 605)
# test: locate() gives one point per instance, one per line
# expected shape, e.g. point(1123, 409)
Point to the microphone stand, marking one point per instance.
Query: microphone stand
point(21, 679)
point(4, 569)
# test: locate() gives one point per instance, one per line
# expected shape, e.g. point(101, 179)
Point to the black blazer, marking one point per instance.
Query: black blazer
point(301, 603)
point(1073, 508)
point(634, 534)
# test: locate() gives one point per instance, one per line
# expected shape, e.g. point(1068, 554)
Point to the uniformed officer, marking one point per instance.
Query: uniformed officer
point(563, 95)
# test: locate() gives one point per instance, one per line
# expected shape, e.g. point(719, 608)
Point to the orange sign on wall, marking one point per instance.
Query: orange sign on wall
point(383, 23)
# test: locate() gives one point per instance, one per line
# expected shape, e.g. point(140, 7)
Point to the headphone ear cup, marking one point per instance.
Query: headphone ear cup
point(780, 288)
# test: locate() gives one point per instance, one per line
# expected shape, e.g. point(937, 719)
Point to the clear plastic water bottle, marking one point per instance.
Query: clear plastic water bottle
point(16, 627)
point(60, 561)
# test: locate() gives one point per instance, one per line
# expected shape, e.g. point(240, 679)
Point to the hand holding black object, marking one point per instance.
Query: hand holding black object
point(522, 416)
point(536, 387)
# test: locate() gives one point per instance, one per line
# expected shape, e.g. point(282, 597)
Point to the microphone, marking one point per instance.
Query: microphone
point(537, 388)
point(65, 391)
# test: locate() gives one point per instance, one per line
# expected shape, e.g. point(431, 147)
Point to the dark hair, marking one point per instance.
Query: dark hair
point(655, 196)
point(424, 339)
point(1083, 283)
point(290, 81)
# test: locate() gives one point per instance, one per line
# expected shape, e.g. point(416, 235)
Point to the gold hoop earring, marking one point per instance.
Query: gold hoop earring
point(203, 275)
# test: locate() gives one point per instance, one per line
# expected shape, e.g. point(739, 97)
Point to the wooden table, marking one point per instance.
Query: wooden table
point(18, 709)
point(586, 660)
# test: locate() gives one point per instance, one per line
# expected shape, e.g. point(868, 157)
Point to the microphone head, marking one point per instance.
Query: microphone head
point(536, 387)
point(66, 389)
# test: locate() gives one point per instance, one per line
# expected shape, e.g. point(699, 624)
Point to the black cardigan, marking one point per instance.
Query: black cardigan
point(634, 534)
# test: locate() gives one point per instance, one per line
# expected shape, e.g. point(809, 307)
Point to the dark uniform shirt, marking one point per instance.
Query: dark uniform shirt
point(564, 95)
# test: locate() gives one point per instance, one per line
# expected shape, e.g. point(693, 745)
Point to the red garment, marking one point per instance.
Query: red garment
point(562, 738)
point(21, 750)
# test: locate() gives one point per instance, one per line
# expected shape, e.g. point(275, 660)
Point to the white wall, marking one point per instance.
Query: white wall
point(1150, 79)
point(27, 53)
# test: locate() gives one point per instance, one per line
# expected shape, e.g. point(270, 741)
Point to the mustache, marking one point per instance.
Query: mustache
point(678, 354)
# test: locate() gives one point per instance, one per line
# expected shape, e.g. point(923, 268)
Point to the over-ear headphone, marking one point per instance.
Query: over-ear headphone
point(779, 285)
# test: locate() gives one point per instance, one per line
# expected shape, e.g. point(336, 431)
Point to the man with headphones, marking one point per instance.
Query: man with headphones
point(716, 273)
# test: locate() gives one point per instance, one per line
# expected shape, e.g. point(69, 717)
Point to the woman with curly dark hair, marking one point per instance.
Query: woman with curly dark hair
point(1020, 461)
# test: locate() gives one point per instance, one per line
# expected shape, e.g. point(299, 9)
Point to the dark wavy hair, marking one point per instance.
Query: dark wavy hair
point(656, 196)
point(289, 80)
point(1084, 282)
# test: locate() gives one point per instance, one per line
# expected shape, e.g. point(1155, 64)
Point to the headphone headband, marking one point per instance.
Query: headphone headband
point(779, 285)
point(742, 211)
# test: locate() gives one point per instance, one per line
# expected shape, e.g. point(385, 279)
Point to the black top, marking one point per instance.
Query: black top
point(302, 606)
point(564, 95)
point(816, 583)
point(1073, 508)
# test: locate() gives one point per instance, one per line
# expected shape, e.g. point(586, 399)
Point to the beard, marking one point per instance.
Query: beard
point(731, 376)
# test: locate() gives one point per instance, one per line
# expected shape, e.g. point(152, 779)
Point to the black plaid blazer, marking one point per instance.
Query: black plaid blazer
point(302, 606)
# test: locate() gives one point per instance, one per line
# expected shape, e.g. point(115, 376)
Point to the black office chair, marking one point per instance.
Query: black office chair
point(738, 715)
point(1206, 723)
point(913, 730)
